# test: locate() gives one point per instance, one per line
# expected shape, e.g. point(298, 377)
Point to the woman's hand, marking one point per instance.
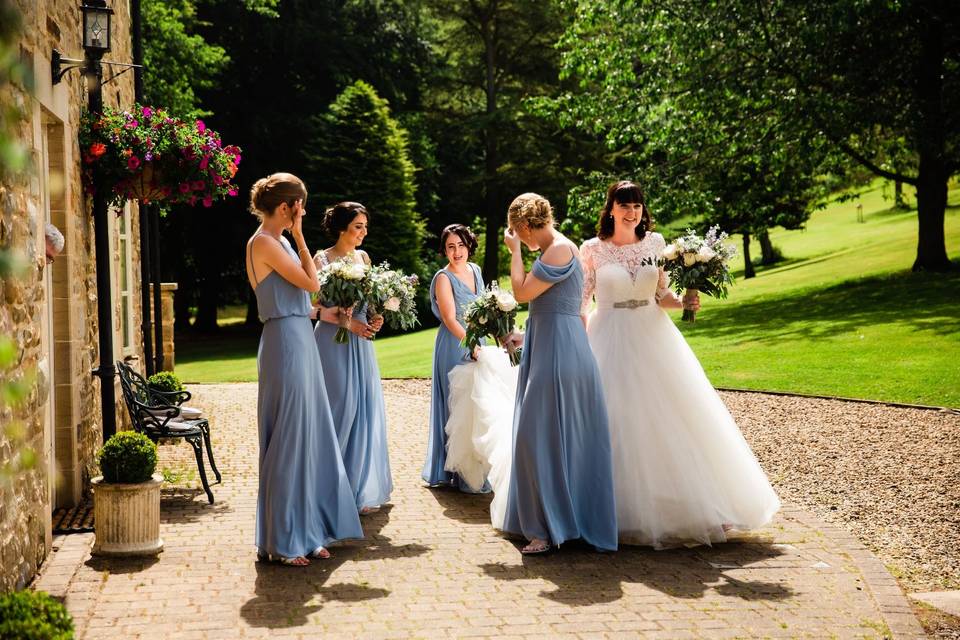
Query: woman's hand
point(512, 240)
point(361, 329)
point(376, 322)
point(329, 314)
point(296, 218)
point(512, 341)
point(691, 303)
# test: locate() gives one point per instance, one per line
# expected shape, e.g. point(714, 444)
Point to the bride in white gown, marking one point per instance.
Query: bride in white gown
point(682, 470)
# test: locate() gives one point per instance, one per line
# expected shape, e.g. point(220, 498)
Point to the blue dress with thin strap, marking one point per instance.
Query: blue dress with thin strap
point(304, 499)
point(447, 353)
point(352, 380)
point(561, 485)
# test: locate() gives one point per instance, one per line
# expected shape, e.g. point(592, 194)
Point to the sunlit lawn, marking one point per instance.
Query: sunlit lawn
point(843, 315)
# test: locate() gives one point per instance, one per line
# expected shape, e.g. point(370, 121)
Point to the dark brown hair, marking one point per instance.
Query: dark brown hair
point(624, 192)
point(269, 193)
point(461, 231)
point(337, 218)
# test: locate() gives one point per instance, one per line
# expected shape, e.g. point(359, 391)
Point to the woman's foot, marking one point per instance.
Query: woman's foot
point(321, 553)
point(368, 510)
point(535, 546)
point(298, 561)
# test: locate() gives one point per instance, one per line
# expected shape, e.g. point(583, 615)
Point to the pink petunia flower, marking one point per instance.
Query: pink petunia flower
point(199, 185)
point(184, 187)
point(232, 192)
point(147, 112)
point(200, 126)
point(208, 202)
point(133, 162)
point(204, 161)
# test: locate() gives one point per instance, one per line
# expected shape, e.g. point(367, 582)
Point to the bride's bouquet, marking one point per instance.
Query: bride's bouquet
point(342, 284)
point(493, 313)
point(699, 265)
point(391, 294)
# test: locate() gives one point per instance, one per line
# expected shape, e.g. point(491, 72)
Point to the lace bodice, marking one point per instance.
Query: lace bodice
point(637, 260)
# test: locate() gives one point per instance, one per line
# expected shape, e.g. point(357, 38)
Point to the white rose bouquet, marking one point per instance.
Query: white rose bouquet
point(699, 265)
point(391, 294)
point(493, 313)
point(342, 285)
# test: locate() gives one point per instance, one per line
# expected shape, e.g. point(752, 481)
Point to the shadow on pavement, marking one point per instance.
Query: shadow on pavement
point(286, 596)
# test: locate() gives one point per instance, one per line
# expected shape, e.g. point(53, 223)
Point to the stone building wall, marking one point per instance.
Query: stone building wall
point(52, 311)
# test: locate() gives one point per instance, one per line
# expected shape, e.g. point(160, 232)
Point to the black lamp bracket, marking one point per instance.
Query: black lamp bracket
point(59, 65)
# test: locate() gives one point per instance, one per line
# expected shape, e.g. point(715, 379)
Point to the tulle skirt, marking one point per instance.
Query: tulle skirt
point(682, 470)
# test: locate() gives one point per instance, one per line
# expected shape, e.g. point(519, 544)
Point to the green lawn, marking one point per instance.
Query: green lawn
point(843, 315)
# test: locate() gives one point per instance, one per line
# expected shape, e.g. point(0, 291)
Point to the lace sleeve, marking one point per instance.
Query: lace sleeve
point(663, 282)
point(589, 275)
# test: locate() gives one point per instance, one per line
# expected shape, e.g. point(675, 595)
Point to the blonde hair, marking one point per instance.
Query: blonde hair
point(530, 209)
point(269, 193)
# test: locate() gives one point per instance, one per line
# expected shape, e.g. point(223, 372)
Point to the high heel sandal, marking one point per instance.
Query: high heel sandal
point(535, 547)
point(297, 561)
point(321, 553)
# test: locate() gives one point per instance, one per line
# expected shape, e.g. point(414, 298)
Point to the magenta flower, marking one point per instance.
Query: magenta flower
point(200, 126)
point(184, 187)
point(208, 202)
point(232, 192)
point(147, 112)
point(133, 162)
point(217, 180)
point(204, 161)
point(192, 201)
point(236, 159)
point(199, 185)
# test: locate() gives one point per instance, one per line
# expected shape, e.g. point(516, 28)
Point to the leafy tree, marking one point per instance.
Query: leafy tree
point(873, 80)
point(360, 154)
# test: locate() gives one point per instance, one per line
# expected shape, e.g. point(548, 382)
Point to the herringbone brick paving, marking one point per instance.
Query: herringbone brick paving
point(432, 567)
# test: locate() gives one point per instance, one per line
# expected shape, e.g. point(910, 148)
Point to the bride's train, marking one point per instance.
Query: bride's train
point(480, 427)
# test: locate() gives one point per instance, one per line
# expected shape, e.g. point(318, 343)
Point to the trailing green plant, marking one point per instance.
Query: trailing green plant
point(127, 458)
point(33, 615)
point(165, 381)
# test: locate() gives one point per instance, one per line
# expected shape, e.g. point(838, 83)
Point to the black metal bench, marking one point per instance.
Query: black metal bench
point(156, 414)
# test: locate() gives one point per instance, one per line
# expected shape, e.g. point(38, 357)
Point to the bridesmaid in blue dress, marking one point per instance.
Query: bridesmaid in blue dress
point(304, 500)
point(561, 486)
point(351, 374)
point(451, 289)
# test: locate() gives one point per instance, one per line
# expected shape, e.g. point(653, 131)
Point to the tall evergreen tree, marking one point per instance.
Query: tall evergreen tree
point(358, 152)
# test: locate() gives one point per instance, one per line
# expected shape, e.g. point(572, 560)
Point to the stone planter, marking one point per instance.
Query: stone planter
point(127, 517)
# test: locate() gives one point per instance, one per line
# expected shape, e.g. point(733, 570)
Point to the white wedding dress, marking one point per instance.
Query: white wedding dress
point(682, 470)
point(480, 426)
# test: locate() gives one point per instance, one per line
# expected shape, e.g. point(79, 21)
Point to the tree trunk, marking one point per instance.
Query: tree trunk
point(768, 255)
point(898, 201)
point(932, 176)
point(748, 271)
point(494, 213)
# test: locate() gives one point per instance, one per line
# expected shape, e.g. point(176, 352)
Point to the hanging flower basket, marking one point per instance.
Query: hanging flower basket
point(148, 155)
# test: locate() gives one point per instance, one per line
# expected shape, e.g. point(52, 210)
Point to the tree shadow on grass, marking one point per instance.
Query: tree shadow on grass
point(583, 577)
point(921, 301)
point(286, 596)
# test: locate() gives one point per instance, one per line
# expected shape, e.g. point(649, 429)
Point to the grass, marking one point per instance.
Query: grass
point(842, 315)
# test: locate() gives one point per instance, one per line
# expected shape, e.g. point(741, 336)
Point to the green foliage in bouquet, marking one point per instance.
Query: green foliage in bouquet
point(492, 314)
point(342, 284)
point(393, 295)
point(33, 615)
point(127, 458)
point(148, 155)
point(165, 381)
point(699, 264)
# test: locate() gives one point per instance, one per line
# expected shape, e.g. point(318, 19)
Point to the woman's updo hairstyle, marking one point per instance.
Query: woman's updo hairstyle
point(269, 193)
point(337, 218)
point(530, 209)
point(623, 192)
point(461, 231)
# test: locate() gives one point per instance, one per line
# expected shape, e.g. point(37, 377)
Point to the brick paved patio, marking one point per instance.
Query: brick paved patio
point(432, 567)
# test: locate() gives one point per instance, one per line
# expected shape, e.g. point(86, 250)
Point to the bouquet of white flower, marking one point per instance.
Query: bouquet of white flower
point(391, 294)
point(493, 313)
point(342, 285)
point(699, 264)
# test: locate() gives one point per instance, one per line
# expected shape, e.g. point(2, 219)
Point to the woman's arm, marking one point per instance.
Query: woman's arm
point(448, 307)
point(271, 254)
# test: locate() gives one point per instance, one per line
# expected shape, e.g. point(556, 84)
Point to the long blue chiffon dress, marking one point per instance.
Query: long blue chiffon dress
point(352, 380)
point(447, 353)
point(304, 499)
point(561, 485)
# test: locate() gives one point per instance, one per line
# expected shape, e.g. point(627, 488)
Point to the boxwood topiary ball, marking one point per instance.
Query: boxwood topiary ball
point(127, 458)
point(33, 615)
